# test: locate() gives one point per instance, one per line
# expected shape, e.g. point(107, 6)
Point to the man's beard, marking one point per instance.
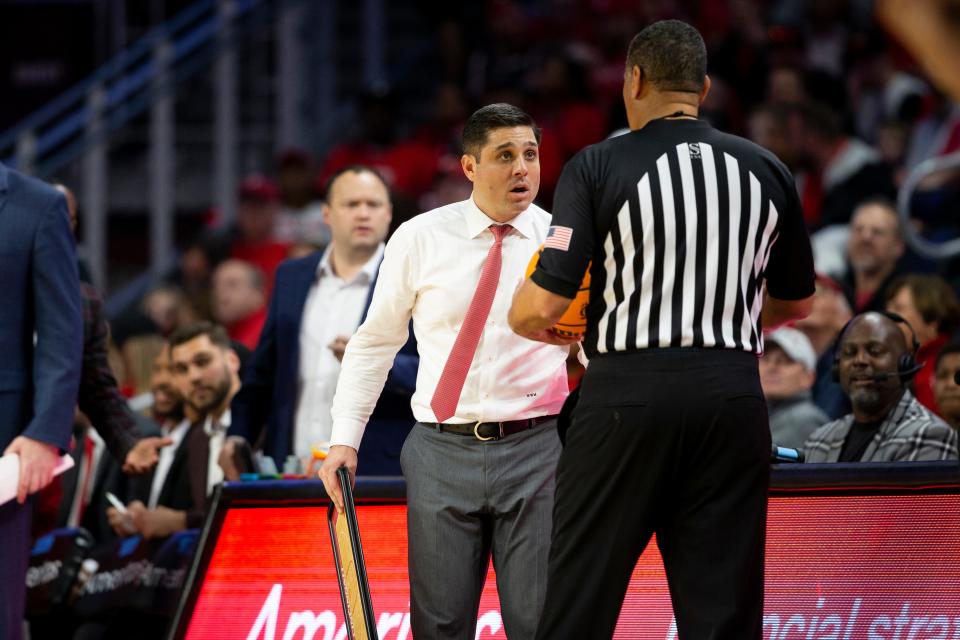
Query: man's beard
point(175, 402)
point(219, 395)
point(869, 265)
point(869, 401)
point(175, 414)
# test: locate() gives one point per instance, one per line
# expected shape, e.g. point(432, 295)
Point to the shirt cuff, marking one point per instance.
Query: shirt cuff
point(555, 285)
point(347, 432)
point(799, 292)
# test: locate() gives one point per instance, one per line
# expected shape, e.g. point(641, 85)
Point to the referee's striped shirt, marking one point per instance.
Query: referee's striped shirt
point(685, 227)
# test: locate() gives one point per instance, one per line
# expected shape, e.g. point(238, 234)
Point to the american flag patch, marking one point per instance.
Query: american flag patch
point(558, 238)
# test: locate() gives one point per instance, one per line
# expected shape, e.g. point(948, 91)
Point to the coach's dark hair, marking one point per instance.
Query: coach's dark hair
point(671, 54)
point(356, 168)
point(493, 116)
point(216, 333)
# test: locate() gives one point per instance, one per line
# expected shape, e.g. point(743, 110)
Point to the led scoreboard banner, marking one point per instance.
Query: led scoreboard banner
point(869, 552)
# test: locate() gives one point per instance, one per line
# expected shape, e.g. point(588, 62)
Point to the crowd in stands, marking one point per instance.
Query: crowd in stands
point(870, 375)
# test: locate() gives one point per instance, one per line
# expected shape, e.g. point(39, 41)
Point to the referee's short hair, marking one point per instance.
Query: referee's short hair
point(493, 116)
point(671, 54)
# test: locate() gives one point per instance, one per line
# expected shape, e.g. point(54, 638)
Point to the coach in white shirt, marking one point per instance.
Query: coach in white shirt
point(480, 463)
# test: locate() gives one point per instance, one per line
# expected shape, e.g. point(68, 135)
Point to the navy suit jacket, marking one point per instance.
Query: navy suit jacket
point(41, 341)
point(41, 294)
point(268, 395)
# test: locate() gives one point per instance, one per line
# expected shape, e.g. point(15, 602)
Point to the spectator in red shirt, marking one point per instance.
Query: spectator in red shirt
point(564, 103)
point(931, 307)
point(238, 301)
point(253, 239)
point(844, 170)
point(408, 165)
point(873, 250)
point(945, 386)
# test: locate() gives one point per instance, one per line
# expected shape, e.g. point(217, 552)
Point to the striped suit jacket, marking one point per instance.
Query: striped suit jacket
point(910, 433)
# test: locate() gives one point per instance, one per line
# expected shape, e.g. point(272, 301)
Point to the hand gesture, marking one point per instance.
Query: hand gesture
point(144, 455)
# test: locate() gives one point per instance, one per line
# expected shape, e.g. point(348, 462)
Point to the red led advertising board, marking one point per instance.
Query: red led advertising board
point(879, 567)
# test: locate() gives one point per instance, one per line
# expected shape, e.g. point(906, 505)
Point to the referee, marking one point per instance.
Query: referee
point(696, 240)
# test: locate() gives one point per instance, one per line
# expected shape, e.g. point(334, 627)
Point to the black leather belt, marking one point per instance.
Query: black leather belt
point(488, 430)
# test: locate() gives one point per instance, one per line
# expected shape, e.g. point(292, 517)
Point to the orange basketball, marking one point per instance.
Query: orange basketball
point(573, 322)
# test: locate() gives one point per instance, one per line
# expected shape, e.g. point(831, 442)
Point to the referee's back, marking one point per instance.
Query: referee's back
point(687, 228)
point(692, 225)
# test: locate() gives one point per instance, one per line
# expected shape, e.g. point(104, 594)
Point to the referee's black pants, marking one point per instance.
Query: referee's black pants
point(674, 442)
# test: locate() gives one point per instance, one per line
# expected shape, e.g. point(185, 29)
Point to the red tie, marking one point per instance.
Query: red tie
point(447, 394)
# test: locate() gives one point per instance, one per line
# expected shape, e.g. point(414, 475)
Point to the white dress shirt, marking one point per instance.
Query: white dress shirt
point(333, 308)
point(430, 271)
point(217, 431)
point(167, 454)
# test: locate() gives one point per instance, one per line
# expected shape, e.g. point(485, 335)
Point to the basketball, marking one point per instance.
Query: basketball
point(573, 322)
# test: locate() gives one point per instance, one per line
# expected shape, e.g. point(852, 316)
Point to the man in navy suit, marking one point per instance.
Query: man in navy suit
point(41, 342)
point(318, 302)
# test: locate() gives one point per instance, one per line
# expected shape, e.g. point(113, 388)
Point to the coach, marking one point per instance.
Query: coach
point(696, 239)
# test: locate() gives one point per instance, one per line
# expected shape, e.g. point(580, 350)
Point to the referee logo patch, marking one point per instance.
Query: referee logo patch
point(694, 151)
point(558, 238)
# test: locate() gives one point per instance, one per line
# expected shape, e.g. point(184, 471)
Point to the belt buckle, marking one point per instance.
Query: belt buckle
point(476, 432)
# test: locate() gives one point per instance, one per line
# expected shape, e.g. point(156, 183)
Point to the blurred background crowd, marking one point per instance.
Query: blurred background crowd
point(819, 83)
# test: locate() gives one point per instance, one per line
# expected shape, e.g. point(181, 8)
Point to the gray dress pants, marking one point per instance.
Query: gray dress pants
point(469, 500)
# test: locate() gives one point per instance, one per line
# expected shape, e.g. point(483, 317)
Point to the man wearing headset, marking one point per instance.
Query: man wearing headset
point(874, 366)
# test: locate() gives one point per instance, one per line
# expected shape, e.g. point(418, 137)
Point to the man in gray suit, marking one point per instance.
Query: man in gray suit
point(41, 341)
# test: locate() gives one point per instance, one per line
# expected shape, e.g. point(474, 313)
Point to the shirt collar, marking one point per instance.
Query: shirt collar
point(222, 424)
point(173, 429)
point(478, 221)
point(368, 272)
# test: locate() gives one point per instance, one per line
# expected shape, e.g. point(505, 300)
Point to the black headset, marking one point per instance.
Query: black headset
point(907, 365)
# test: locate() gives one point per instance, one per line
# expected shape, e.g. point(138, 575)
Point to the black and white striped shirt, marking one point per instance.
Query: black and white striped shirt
point(685, 227)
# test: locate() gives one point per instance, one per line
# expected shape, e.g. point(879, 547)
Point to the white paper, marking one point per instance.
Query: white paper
point(10, 474)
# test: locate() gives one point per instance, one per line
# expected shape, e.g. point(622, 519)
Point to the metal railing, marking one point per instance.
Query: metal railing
point(920, 244)
point(72, 134)
point(122, 88)
point(78, 123)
